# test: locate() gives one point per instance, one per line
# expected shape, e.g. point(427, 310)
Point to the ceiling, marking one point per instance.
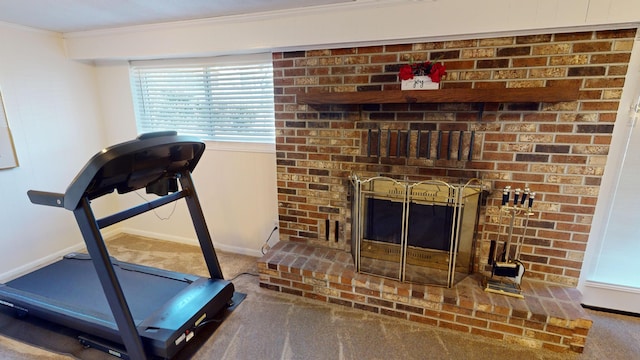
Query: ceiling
point(82, 15)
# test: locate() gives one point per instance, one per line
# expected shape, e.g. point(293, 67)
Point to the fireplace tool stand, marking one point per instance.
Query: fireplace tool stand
point(507, 270)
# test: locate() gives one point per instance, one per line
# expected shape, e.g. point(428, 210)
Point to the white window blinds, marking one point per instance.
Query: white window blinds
point(220, 99)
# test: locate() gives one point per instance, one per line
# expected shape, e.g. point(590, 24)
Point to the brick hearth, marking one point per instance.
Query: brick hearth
point(550, 316)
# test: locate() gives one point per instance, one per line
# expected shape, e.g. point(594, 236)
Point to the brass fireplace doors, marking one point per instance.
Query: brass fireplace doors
point(420, 232)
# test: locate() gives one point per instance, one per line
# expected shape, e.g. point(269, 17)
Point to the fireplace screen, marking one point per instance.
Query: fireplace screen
point(416, 232)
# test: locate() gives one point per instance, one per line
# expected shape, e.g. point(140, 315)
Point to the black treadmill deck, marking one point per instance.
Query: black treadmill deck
point(166, 306)
point(79, 287)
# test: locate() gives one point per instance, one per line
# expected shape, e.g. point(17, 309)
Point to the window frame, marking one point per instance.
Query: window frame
point(211, 64)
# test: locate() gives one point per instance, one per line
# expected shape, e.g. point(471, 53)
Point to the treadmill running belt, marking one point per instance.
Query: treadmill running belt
point(75, 282)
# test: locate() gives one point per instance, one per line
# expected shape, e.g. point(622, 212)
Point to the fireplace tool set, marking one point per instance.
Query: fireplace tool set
point(507, 270)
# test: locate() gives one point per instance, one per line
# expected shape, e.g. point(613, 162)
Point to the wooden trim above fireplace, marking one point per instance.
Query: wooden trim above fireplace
point(502, 95)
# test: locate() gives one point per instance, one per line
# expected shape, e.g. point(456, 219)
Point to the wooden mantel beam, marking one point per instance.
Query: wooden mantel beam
point(507, 95)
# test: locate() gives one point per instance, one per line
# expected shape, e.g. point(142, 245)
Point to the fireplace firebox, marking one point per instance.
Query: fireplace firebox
point(421, 232)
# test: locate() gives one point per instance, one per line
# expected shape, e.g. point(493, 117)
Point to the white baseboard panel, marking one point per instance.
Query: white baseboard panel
point(610, 296)
point(191, 241)
point(39, 263)
point(49, 259)
point(238, 250)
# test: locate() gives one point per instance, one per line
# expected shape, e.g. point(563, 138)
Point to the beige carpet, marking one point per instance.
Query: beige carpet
point(271, 325)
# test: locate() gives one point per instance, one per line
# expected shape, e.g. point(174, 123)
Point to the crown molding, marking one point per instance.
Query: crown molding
point(253, 17)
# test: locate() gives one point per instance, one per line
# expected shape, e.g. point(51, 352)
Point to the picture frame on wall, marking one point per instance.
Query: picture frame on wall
point(8, 158)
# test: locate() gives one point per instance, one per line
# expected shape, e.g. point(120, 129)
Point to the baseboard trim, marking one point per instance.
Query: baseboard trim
point(39, 263)
point(611, 311)
point(191, 241)
point(49, 259)
point(612, 297)
point(614, 287)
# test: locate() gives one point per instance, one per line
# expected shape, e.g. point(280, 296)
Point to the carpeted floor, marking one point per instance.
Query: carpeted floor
point(272, 325)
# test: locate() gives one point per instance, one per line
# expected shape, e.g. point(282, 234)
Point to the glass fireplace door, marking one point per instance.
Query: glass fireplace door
point(382, 209)
point(431, 236)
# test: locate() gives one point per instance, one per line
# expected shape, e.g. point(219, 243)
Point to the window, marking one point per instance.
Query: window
point(219, 99)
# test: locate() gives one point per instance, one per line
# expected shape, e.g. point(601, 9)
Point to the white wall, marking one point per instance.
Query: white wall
point(53, 113)
point(236, 184)
point(237, 191)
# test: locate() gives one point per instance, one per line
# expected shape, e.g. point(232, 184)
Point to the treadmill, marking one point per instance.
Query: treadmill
point(152, 312)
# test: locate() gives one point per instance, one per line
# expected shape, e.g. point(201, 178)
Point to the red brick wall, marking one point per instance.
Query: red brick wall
point(557, 149)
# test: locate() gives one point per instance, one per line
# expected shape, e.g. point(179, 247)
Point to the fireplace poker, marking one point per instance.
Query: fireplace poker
point(398, 142)
point(505, 199)
point(473, 133)
point(418, 138)
point(429, 145)
point(368, 142)
point(514, 210)
point(408, 143)
point(526, 220)
point(460, 144)
point(438, 148)
point(507, 247)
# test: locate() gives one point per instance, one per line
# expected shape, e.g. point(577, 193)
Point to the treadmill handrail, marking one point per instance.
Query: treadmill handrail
point(46, 198)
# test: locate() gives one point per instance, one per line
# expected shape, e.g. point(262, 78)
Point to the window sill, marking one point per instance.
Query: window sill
point(240, 146)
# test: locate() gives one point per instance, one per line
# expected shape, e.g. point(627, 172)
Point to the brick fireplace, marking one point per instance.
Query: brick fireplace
point(558, 149)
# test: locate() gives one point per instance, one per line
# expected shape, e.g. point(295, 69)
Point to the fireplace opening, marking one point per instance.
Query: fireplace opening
point(416, 232)
point(428, 224)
